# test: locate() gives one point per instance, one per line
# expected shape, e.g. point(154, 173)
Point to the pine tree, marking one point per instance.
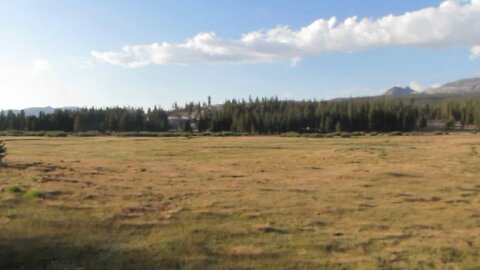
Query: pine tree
point(77, 125)
point(187, 126)
point(3, 151)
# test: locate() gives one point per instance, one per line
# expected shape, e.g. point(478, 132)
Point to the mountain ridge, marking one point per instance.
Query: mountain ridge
point(459, 87)
point(35, 111)
point(463, 86)
point(399, 91)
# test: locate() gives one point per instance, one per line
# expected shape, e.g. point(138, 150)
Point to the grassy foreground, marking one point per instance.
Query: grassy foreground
point(241, 203)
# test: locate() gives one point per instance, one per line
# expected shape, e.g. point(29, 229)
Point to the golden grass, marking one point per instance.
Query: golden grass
point(241, 203)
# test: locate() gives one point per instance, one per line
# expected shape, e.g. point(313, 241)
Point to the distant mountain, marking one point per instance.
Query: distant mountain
point(399, 91)
point(466, 86)
point(35, 111)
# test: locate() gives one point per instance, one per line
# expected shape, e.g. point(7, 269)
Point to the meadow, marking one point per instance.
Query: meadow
point(371, 202)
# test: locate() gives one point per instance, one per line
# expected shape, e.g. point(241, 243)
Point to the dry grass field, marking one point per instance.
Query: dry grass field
point(384, 202)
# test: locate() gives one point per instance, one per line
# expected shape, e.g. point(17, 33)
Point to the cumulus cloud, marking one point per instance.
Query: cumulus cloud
point(417, 86)
point(422, 88)
point(453, 23)
point(475, 53)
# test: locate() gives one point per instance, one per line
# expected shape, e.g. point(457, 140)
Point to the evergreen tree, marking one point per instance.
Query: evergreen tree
point(267, 116)
point(187, 127)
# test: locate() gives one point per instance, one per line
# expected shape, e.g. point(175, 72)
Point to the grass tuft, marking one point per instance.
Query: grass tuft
point(33, 193)
point(14, 189)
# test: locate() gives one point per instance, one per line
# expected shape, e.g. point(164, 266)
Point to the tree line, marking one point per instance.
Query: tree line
point(93, 119)
point(265, 116)
point(380, 114)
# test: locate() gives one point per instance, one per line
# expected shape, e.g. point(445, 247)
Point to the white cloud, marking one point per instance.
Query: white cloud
point(40, 67)
point(417, 86)
point(421, 88)
point(453, 23)
point(475, 53)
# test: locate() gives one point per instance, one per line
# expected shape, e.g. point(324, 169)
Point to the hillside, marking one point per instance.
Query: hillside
point(465, 86)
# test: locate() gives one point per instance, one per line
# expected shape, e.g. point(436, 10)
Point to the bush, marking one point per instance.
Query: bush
point(449, 124)
point(290, 134)
point(230, 134)
point(11, 133)
point(358, 133)
point(316, 135)
point(345, 135)
point(227, 134)
point(87, 134)
point(33, 193)
point(395, 133)
point(320, 135)
point(14, 189)
point(136, 134)
point(3, 151)
point(34, 133)
point(373, 134)
point(56, 134)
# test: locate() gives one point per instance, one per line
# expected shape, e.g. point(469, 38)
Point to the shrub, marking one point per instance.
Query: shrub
point(33, 193)
point(137, 134)
point(3, 151)
point(395, 133)
point(373, 134)
point(316, 135)
point(14, 189)
point(345, 135)
point(227, 134)
point(449, 124)
point(87, 134)
point(306, 135)
point(290, 134)
point(358, 133)
point(11, 133)
point(34, 133)
point(56, 134)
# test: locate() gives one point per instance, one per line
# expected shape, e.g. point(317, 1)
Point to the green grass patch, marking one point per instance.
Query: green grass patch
point(33, 193)
point(14, 189)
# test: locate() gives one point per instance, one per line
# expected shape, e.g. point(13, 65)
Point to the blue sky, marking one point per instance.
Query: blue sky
point(69, 53)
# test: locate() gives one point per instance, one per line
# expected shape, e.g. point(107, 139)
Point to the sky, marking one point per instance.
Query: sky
point(157, 52)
